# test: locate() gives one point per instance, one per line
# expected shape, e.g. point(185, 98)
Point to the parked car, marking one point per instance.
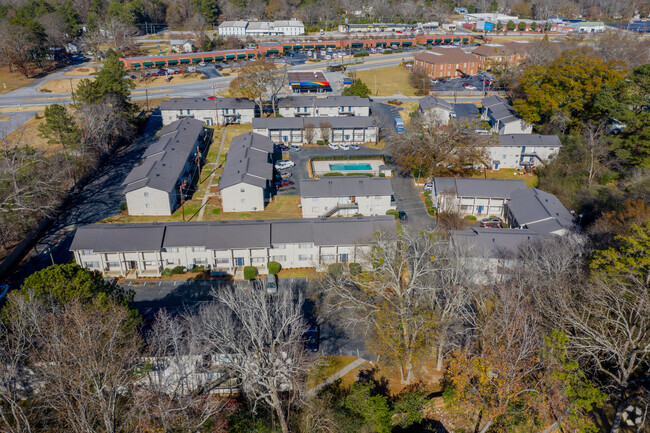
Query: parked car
point(286, 163)
point(283, 183)
point(466, 84)
point(283, 174)
point(312, 336)
point(333, 146)
point(201, 63)
point(344, 146)
point(470, 88)
point(355, 147)
point(294, 148)
point(282, 147)
point(403, 217)
point(271, 283)
point(492, 219)
point(428, 186)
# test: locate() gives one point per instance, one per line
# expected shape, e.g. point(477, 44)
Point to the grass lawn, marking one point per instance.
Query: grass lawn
point(191, 212)
point(300, 273)
point(28, 134)
point(510, 173)
point(390, 81)
point(325, 367)
point(280, 207)
point(83, 70)
point(408, 108)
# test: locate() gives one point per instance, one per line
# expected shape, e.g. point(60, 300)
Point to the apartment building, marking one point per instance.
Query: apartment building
point(331, 106)
point(502, 117)
point(302, 130)
point(436, 111)
point(346, 196)
point(539, 211)
point(478, 197)
point(523, 150)
point(291, 27)
point(212, 111)
point(246, 182)
point(446, 62)
point(169, 165)
point(144, 250)
point(233, 28)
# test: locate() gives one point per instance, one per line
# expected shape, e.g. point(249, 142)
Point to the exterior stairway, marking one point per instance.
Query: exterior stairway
point(339, 207)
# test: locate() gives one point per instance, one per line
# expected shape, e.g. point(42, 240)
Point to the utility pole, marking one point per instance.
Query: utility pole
point(182, 200)
point(13, 68)
point(146, 96)
point(72, 92)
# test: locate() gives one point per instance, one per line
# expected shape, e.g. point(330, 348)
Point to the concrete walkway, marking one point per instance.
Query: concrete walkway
point(215, 164)
point(336, 376)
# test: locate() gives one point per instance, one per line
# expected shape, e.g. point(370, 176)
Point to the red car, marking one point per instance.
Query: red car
point(466, 84)
point(282, 183)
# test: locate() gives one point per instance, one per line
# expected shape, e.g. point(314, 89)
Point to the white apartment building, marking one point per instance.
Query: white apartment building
point(478, 197)
point(299, 130)
point(436, 111)
point(144, 250)
point(346, 196)
point(212, 111)
point(538, 211)
point(233, 28)
point(154, 186)
point(330, 106)
point(290, 27)
point(502, 117)
point(523, 150)
point(246, 182)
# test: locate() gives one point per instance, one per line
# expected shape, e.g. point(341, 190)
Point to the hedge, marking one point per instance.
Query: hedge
point(427, 193)
point(360, 174)
point(382, 174)
point(335, 269)
point(387, 52)
point(167, 272)
point(470, 217)
point(393, 212)
point(250, 272)
point(178, 270)
point(274, 267)
point(333, 173)
point(321, 142)
point(362, 54)
point(355, 268)
point(347, 157)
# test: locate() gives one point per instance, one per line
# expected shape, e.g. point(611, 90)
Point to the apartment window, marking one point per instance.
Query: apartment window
point(495, 208)
point(198, 249)
point(200, 261)
point(243, 200)
point(171, 250)
point(279, 258)
point(304, 257)
point(305, 245)
point(279, 246)
point(466, 208)
point(150, 263)
point(223, 260)
point(242, 190)
point(91, 264)
point(86, 252)
point(504, 156)
point(170, 261)
point(258, 259)
point(113, 264)
point(226, 111)
point(146, 194)
point(314, 209)
point(327, 257)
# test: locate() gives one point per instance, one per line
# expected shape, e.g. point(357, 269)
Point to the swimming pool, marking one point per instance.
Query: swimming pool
point(351, 167)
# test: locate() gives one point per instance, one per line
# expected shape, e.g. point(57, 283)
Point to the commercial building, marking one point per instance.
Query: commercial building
point(523, 150)
point(246, 182)
point(587, 26)
point(491, 55)
point(212, 111)
point(169, 166)
point(291, 27)
point(478, 197)
point(233, 28)
point(376, 28)
point(331, 106)
point(302, 130)
point(539, 211)
point(440, 62)
point(346, 196)
point(308, 81)
point(435, 110)
point(144, 250)
point(502, 117)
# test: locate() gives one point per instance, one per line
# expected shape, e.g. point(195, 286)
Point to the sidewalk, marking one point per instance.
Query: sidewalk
point(336, 376)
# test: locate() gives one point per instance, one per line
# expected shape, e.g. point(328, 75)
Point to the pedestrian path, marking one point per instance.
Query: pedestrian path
point(215, 164)
point(336, 376)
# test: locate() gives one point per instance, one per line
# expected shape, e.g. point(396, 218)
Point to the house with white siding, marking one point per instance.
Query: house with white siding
point(213, 111)
point(478, 197)
point(169, 165)
point(502, 117)
point(523, 150)
point(299, 130)
point(436, 111)
point(539, 211)
point(144, 250)
point(331, 106)
point(246, 182)
point(346, 196)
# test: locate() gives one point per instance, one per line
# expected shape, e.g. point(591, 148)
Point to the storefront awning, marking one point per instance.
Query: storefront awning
point(309, 46)
point(184, 61)
point(429, 41)
point(147, 64)
point(172, 62)
point(331, 46)
point(406, 44)
point(251, 55)
point(217, 58)
point(438, 40)
point(272, 52)
point(320, 46)
point(135, 65)
point(297, 47)
point(456, 39)
point(208, 59)
point(357, 44)
point(230, 56)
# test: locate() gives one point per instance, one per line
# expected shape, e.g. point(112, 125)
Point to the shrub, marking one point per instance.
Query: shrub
point(200, 268)
point(333, 173)
point(225, 74)
point(216, 211)
point(393, 212)
point(360, 174)
point(427, 193)
point(428, 202)
point(470, 217)
point(335, 269)
point(178, 270)
point(250, 272)
point(274, 267)
point(320, 142)
point(167, 272)
point(355, 268)
point(382, 174)
point(45, 90)
point(36, 116)
point(397, 51)
point(123, 206)
point(394, 102)
point(387, 52)
point(362, 54)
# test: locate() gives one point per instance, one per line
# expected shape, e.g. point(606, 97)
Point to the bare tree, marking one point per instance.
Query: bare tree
point(624, 47)
point(120, 33)
point(309, 133)
point(92, 42)
point(54, 26)
point(325, 131)
point(592, 138)
point(20, 46)
point(259, 339)
point(100, 124)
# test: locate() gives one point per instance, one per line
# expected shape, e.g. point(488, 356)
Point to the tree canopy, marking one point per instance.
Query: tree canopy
point(358, 88)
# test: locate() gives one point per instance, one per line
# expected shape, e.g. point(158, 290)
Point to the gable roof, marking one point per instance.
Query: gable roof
point(433, 102)
point(492, 50)
point(468, 187)
point(345, 186)
point(492, 243)
point(445, 55)
point(206, 103)
point(533, 140)
point(500, 109)
point(248, 161)
point(539, 210)
point(165, 159)
point(300, 122)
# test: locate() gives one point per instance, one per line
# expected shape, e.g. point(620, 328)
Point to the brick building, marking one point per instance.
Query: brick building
point(441, 62)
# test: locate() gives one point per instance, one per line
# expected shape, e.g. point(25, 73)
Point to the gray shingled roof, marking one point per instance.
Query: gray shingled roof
point(299, 122)
point(220, 235)
point(500, 109)
point(235, 103)
point(467, 111)
point(492, 243)
point(532, 205)
point(205, 103)
point(467, 187)
point(329, 101)
point(248, 161)
point(361, 186)
point(535, 140)
point(165, 159)
point(432, 102)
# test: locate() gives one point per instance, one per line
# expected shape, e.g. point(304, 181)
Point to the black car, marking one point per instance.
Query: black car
point(312, 336)
point(403, 217)
point(282, 147)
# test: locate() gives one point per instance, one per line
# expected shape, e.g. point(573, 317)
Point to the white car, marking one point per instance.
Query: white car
point(281, 165)
point(333, 146)
point(355, 147)
point(344, 146)
point(201, 63)
point(470, 88)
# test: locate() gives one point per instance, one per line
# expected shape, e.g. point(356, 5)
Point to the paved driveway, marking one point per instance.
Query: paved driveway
point(408, 200)
point(385, 115)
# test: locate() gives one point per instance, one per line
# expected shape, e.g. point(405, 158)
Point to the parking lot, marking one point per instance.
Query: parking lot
point(457, 85)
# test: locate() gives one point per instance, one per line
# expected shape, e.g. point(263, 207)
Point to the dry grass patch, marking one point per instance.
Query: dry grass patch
point(4, 118)
point(311, 273)
point(9, 81)
point(60, 85)
point(173, 79)
point(388, 81)
point(15, 108)
point(27, 134)
point(326, 367)
point(280, 207)
point(510, 173)
point(83, 70)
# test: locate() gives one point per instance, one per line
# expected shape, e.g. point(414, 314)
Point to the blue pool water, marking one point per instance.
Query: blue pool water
point(351, 167)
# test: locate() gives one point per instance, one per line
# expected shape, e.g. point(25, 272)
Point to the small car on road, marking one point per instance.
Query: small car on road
point(285, 163)
point(333, 146)
point(344, 146)
point(294, 148)
point(283, 183)
point(355, 147)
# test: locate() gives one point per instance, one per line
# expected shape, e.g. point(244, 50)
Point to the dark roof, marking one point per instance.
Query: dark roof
point(467, 187)
point(165, 159)
point(345, 186)
point(220, 235)
point(300, 122)
point(492, 50)
point(467, 111)
point(536, 140)
point(445, 55)
point(432, 102)
point(500, 109)
point(188, 103)
point(248, 161)
point(492, 243)
point(535, 209)
point(235, 103)
point(306, 76)
point(330, 101)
